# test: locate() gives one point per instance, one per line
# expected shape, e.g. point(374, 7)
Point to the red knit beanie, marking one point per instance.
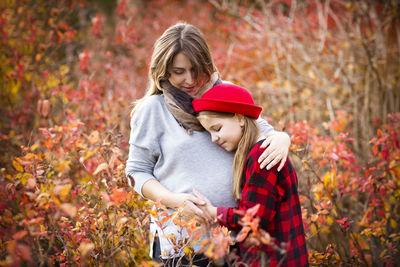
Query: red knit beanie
point(227, 97)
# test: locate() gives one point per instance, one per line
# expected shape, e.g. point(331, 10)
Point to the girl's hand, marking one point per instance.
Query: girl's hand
point(278, 148)
point(192, 207)
point(210, 209)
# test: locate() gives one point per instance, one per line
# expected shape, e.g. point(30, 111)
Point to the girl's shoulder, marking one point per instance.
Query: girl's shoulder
point(256, 149)
point(254, 153)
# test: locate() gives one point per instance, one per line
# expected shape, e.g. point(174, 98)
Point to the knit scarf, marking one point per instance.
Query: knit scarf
point(179, 103)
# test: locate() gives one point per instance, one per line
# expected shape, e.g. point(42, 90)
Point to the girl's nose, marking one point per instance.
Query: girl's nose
point(214, 138)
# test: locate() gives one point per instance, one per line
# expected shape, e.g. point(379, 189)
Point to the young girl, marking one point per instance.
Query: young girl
point(228, 113)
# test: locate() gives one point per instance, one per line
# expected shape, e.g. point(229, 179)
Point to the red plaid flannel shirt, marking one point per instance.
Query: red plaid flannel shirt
point(279, 211)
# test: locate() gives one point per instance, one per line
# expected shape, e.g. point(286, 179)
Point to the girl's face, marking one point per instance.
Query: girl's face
point(225, 131)
point(182, 75)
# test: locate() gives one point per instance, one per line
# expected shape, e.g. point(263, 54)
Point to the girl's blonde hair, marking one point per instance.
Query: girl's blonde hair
point(179, 38)
point(250, 135)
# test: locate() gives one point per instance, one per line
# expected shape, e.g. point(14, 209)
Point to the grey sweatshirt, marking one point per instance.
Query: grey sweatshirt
point(161, 149)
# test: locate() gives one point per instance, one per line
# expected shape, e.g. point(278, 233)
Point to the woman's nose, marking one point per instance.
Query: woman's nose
point(189, 79)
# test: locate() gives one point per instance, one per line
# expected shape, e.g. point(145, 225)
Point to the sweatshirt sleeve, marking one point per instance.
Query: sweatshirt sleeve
point(144, 149)
point(265, 127)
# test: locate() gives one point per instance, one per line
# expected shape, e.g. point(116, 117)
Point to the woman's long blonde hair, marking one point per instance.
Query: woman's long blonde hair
point(181, 37)
point(250, 134)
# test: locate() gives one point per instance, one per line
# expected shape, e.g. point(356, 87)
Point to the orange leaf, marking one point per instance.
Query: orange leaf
point(375, 149)
point(243, 234)
point(254, 224)
point(253, 210)
point(19, 235)
point(119, 195)
point(69, 209)
point(85, 248)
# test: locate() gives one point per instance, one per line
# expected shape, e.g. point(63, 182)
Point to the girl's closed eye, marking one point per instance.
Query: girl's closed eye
point(216, 128)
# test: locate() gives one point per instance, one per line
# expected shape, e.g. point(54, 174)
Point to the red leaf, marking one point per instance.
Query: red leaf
point(24, 252)
point(97, 24)
point(342, 221)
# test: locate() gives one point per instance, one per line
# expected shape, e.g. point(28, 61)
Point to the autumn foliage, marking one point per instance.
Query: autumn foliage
point(327, 72)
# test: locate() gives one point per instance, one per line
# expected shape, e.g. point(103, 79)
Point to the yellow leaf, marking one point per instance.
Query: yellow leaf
point(18, 166)
point(393, 223)
point(62, 190)
point(329, 179)
point(188, 250)
point(23, 177)
point(65, 191)
point(89, 154)
point(334, 213)
point(325, 230)
point(103, 166)
point(313, 229)
point(34, 147)
point(209, 251)
point(56, 200)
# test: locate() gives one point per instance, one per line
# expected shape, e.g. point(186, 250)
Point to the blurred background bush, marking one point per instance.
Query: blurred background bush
point(327, 72)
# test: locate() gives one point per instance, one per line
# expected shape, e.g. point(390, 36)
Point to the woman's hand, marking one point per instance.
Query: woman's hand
point(278, 148)
point(152, 189)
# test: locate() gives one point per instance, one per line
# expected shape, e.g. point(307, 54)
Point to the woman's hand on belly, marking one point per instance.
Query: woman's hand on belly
point(193, 207)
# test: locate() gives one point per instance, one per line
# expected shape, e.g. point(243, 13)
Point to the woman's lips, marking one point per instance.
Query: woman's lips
point(189, 89)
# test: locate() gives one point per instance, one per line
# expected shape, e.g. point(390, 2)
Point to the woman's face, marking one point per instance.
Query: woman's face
point(182, 75)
